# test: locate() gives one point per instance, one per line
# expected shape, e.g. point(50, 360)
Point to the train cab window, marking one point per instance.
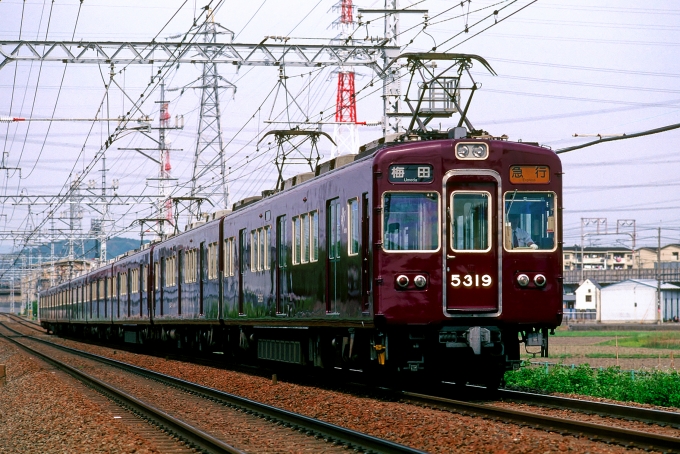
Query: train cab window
point(470, 221)
point(529, 221)
point(411, 221)
point(353, 231)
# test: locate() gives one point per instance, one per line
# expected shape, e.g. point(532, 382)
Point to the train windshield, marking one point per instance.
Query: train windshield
point(529, 220)
point(411, 221)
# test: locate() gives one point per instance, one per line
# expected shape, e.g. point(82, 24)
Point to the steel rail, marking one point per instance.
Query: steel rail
point(31, 325)
point(330, 432)
point(191, 435)
point(626, 437)
point(647, 415)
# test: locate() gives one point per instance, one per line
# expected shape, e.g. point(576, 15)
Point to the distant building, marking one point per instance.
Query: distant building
point(635, 301)
point(587, 296)
point(670, 257)
point(598, 258)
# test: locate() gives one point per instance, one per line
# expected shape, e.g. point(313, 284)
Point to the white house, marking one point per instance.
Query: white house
point(587, 296)
point(634, 301)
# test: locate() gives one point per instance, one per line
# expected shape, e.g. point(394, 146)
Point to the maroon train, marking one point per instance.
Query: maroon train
point(430, 258)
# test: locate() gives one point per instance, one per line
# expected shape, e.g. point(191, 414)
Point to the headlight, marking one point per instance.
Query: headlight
point(402, 281)
point(539, 280)
point(472, 151)
point(420, 281)
point(462, 151)
point(479, 151)
point(523, 280)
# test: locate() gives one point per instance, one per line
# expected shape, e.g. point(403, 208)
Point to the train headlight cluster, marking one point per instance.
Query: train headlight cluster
point(472, 151)
point(523, 280)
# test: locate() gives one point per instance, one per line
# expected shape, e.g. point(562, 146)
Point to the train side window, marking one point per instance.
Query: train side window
point(281, 241)
point(471, 221)
point(297, 240)
point(314, 237)
point(304, 238)
point(529, 221)
point(411, 221)
point(254, 249)
point(157, 275)
point(123, 284)
point(265, 246)
point(212, 260)
point(229, 257)
point(353, 231)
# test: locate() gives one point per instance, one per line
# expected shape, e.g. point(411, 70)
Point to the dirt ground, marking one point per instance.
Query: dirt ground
point(576, 349)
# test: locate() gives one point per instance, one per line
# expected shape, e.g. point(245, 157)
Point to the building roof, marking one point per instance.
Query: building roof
point(647, 283)
point(592, 281)
point(576, 248)
point(653, 249)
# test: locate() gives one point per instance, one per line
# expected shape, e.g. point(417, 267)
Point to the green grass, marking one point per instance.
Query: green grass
point(661, 339)
point(647, 387)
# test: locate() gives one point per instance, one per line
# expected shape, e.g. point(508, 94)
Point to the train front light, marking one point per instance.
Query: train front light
point(402, 281)
point(539, 280)
point(420, 281)
point(523, 280)
point(462, 151)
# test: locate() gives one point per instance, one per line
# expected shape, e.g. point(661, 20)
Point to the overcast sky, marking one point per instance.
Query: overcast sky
point(564, 68)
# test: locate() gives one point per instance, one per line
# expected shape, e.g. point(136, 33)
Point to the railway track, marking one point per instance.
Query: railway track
point(26, 323)
point(332, 434)
point(599, 432)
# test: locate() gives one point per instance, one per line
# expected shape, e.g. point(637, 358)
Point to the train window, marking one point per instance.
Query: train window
point(254, 250)
point(145, 277)
point(471, 221)
point(123, 284)
point(411, 221)
point(281, 241)
point(353, 231)
point(265, 246)
point(529, 220)
point(314, 243)
point(229, 256)
point(171, 271)
point(189, 266)
point(212, 261)
point(304, 242)
point(297, 240)
point(156, 275)
point(134, 281)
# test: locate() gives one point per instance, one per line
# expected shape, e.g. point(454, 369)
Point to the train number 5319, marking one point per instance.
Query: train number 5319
point(471, 280)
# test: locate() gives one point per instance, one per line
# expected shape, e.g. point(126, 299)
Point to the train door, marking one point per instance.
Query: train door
point(281, 263)
point(365, 273)
point(333, 232)
point(241, 267)
point(472, 242)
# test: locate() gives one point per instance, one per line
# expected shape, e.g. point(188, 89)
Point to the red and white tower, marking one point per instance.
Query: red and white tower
point(165, 208)
point(345, 133)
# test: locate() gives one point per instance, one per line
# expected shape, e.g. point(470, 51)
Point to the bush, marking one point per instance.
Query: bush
point(646, 387)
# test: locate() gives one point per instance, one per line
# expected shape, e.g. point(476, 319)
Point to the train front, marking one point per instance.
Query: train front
point(468, 256)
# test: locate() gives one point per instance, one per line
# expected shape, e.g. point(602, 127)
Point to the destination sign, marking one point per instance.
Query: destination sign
point(529, 174)
point(410, 173)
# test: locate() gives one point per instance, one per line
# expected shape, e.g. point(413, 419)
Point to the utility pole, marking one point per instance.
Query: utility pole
point(598, 222)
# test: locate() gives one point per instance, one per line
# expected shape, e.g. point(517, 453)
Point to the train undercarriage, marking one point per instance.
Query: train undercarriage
point(459, 354)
